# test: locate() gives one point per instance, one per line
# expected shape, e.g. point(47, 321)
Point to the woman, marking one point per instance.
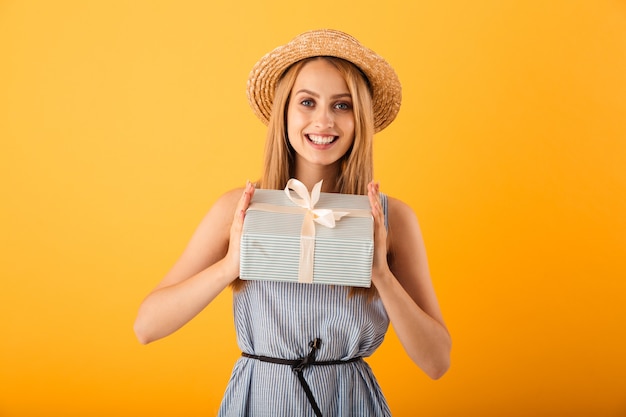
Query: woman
point(323, 96)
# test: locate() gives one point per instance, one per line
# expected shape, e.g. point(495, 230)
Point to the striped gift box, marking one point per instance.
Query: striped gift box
point(271, 241)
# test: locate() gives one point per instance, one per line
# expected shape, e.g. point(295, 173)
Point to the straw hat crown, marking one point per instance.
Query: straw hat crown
point(384, 82)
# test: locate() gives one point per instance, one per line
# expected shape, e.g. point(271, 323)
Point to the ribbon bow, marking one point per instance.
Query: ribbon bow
point(325, 217)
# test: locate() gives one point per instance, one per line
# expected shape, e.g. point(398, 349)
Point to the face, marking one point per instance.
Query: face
point(320, 118)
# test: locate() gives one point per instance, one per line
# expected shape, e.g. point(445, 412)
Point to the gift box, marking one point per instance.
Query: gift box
point(320, 238)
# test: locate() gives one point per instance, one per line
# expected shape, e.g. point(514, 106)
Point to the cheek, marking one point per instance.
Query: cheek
point(349, 131)
point(348, 126)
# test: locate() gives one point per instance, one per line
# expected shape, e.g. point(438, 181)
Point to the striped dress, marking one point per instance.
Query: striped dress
point(278, 320)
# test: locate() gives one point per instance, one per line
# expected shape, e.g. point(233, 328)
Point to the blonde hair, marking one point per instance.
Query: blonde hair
point(357, 164)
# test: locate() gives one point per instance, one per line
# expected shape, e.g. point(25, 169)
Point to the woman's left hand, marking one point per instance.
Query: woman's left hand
point(379, 265)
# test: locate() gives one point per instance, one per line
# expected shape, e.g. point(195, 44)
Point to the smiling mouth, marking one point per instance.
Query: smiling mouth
point(321, 140)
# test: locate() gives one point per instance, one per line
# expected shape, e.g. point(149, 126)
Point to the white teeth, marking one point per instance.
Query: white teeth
point(321, 140)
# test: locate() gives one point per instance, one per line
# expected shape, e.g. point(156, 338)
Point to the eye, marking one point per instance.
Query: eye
point(343, 106)
point(307, 102)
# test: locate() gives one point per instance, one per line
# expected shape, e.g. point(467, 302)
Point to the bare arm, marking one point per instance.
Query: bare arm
point(207, 266)
point(405, 286)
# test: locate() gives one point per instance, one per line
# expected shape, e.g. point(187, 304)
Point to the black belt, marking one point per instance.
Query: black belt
point(298, 365)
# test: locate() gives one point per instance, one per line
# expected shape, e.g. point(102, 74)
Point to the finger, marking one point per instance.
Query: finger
point(247, 195)
point(244, 201)
point(371, 193)
point(374, 197)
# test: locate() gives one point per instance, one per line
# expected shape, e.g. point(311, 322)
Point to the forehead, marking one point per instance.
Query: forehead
point(320, 74)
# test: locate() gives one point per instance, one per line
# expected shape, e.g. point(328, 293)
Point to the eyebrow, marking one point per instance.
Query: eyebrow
point(336, 96)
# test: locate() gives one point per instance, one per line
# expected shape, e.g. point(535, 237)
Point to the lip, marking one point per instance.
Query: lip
point(321, 141)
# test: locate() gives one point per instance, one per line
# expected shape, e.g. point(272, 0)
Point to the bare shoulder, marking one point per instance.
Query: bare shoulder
point(213, 232)
point(220, 216)
point(230, 197)
point(228, 201)
point(405, 241)
point(400, 214)
point(209, 242)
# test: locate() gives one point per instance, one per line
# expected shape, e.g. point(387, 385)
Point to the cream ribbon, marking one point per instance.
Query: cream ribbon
point(325, 217)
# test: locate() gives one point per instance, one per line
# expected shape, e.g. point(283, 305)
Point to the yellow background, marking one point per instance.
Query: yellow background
point(121, 122)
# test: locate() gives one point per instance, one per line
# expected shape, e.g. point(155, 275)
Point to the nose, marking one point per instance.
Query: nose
point(324, 118)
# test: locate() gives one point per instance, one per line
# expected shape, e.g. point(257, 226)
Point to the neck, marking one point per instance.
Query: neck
point(310, 176)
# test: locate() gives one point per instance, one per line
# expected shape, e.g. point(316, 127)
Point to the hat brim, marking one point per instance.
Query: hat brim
point(383, 80)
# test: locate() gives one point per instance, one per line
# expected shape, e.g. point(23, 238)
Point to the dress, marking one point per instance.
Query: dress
point(279, 319)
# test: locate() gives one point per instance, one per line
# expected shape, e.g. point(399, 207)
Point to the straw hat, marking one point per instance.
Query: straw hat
point(386, 88)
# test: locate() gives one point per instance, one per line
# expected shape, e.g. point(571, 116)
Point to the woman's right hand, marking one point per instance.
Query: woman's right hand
point(234, 246)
